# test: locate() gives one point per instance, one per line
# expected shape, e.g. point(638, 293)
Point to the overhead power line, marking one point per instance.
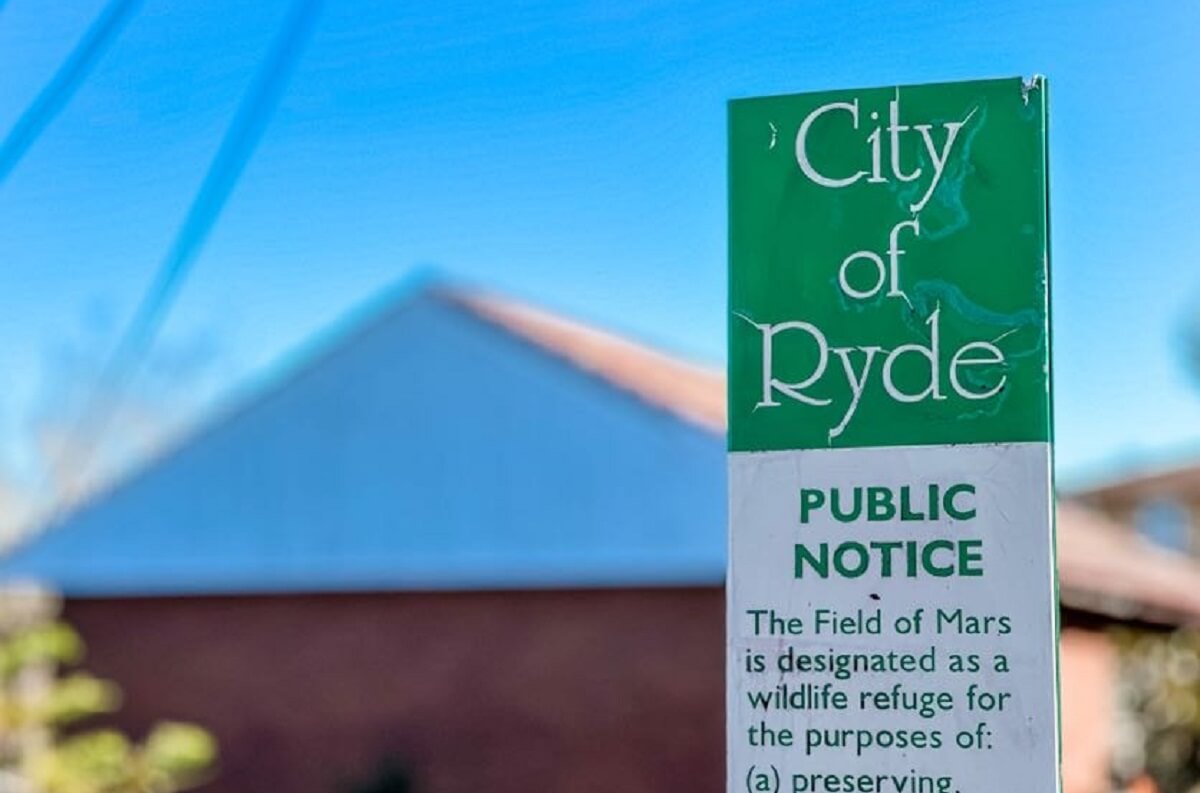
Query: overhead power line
point(240, 140)
point(238, 144)
point(62, 86)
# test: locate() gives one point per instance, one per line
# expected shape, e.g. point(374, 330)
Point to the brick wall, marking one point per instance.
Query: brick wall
point(531, 692)
point(594, 691)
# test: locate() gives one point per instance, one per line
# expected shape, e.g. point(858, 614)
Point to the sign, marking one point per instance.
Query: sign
point(892, 610)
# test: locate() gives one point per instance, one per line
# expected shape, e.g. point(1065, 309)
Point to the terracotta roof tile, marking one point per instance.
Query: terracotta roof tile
point(691, 392)
point(1103, 567)
point(1106, 568)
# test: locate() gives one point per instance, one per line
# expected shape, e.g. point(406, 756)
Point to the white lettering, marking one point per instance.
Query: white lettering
point(844, 278)
point(939, 157)
point(939, 162)
point(793, 390)
point(802, 146)
point(857, 384)
point(894, 130)
point(994, 357)
point(895, 252)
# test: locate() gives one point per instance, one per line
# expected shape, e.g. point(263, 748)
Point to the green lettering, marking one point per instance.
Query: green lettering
point(970, 552)
point(885, 549)
point(951, 508)
point(906, 511)
point(880, 504)
point(839, 559)
point(810, 499)
point(836, 506)
point(819, 564)
point(927, 558)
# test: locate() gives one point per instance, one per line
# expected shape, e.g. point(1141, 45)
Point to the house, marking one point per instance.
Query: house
point(484, 544)
point(1162, 503)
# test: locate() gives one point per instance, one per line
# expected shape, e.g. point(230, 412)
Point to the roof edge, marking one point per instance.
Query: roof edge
point(293, 364)
point(690, 392)
point(575, 346)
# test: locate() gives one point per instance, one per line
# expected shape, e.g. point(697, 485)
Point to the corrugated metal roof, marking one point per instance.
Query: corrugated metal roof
point(461, 440)
point(433, 446)
point(691, 392)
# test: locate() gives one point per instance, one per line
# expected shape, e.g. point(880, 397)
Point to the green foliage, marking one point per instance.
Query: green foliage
point(38, 703)
point(52, 642)
point(176, 751)
point(78, 696)
point(1160, 704)
point(101, 760)
point(173, 757)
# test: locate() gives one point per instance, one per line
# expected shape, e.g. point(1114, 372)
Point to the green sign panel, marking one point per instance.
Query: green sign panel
point(889, 258)
point(891, 596)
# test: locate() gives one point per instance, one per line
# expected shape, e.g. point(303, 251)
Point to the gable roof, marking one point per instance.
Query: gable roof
point(1176, 479)
point(691, 392)
point(462, 440)
point(1108, 570)
point(453, 440)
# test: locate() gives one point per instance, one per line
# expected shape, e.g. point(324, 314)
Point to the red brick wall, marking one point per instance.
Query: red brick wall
point(604, 691)
point(612, 691)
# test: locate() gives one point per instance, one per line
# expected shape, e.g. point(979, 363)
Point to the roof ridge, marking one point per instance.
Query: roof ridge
point(595, 351)
point(1105, 567)
point(691, 392)
point(1185, 463)
point(281, 373)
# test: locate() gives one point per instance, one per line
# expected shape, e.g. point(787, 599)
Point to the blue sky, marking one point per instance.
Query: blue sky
point(572, 154)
